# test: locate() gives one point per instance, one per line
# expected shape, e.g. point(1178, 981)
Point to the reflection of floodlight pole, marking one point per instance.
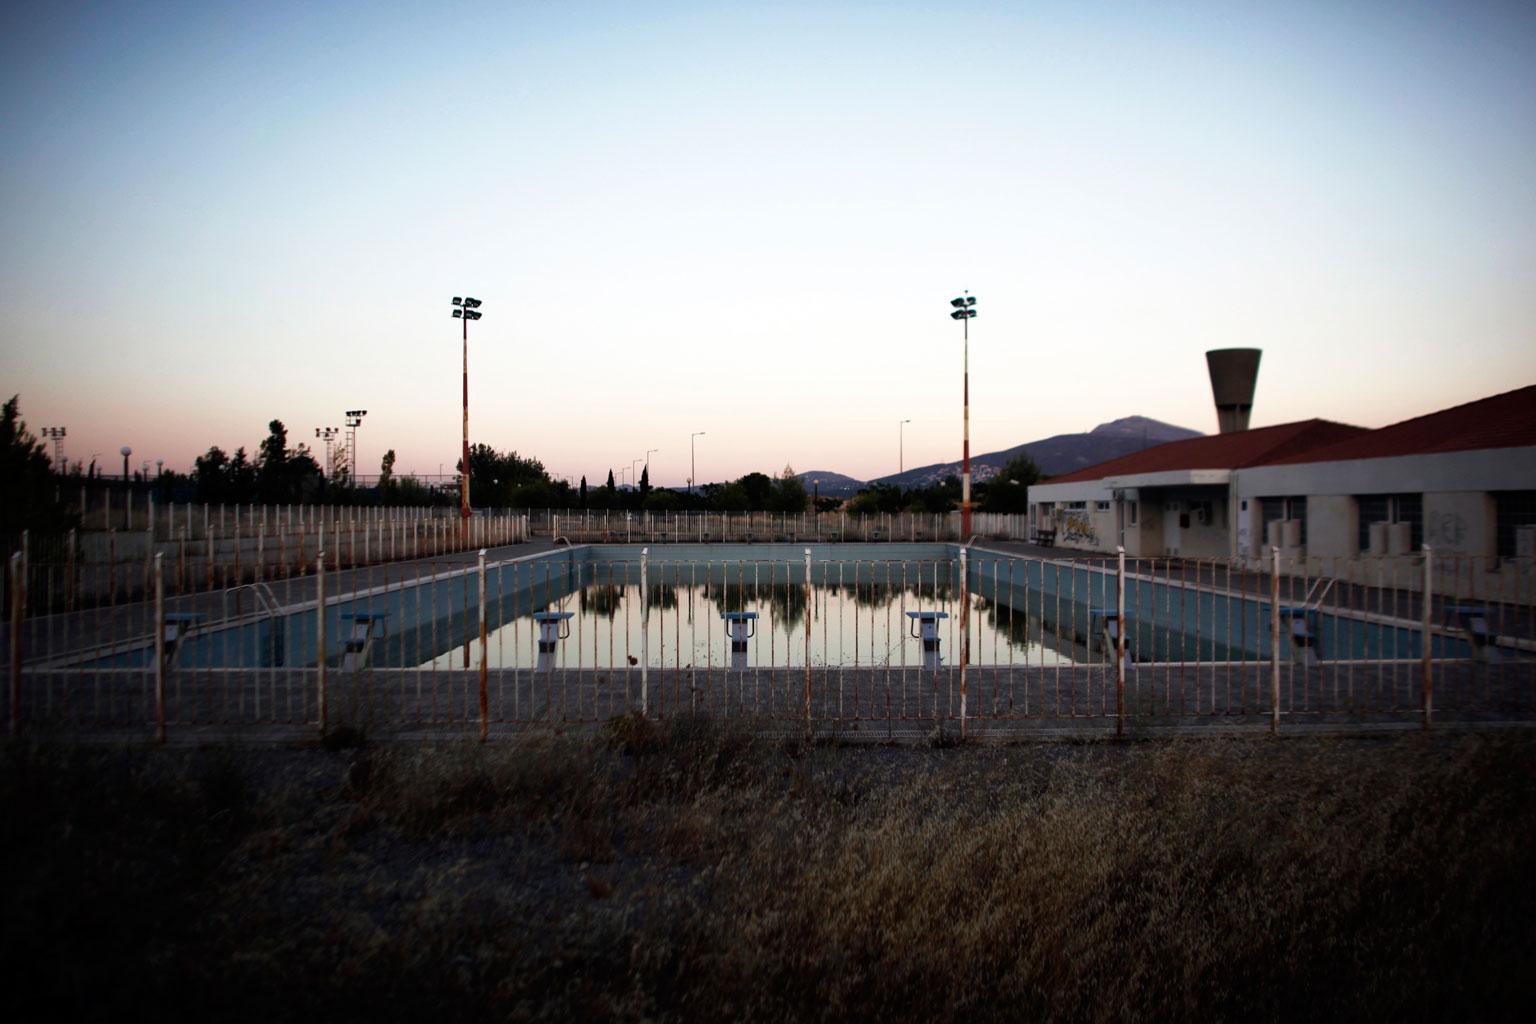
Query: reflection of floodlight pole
point(693, 468)
point(901, 446)
point(56, 435)
point(466, 310)
point(965, 309)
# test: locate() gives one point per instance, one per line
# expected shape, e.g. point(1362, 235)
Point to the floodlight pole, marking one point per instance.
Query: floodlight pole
point(466, 309)
point(693, 468)
point(965, 447)
point(464, 477)
point(964, 310)
point(901, 446)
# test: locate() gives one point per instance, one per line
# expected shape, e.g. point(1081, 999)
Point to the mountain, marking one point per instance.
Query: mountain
point(1063, 453)
point(828, 484)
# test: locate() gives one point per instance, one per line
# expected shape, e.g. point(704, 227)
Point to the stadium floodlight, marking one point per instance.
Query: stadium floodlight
point(964, 311)
point(465, 310)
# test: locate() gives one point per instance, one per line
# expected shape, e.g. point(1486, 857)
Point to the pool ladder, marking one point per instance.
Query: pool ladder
point(269, 605)
point(1302, 620)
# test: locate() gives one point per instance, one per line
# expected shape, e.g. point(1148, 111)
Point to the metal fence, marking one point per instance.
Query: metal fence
point(837, 640)
point(207, 547)
point(606, 526)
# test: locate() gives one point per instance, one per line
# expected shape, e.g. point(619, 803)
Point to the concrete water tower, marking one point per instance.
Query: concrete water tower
point(1234, 371)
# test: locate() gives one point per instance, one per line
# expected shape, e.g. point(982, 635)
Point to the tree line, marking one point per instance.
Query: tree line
point(281, 473)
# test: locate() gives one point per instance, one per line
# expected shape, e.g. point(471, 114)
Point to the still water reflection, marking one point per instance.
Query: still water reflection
point(860, 620)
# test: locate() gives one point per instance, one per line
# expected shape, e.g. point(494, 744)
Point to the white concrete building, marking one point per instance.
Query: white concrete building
point(1462, 481)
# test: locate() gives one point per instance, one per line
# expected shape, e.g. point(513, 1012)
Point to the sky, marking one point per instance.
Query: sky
point(749, 220)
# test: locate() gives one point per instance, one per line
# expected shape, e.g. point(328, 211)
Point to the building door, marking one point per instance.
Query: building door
point(1171, 536)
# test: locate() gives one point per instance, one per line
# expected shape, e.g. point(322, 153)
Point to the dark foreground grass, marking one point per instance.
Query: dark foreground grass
point(695, 871)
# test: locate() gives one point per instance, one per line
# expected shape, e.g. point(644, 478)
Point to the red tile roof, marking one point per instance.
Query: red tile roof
point(1501, 421)
point(1221, 451)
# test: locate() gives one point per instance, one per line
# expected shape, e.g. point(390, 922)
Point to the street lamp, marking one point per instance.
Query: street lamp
point(964, 310)
point(901, 455)
point(466, 310)
point(648, 453)
point(634, 476)
point(125, 451)
point(692, 467)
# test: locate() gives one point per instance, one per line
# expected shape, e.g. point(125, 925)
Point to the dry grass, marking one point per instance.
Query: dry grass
point(697, 871)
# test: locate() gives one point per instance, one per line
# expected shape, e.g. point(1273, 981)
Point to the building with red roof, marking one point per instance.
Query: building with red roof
point(1461, 480)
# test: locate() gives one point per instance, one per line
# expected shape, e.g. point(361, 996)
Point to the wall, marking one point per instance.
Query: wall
point(1332, 525)
point(1461, 523)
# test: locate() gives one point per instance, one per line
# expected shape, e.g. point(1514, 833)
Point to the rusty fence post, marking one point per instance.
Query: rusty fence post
point(1274, 640)
point(159, 573)
point(320, 637)
point(485, 721)
point(1120, 632)
point(1427, 639)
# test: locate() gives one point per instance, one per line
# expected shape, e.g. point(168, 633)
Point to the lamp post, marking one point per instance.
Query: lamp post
point(901, 454)
point(466, 310)
point(964, 310)
point(634, 477)
point(692, 465)
point(648, 453)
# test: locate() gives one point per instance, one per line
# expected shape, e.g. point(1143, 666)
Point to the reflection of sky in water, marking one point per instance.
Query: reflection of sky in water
point(863, 624)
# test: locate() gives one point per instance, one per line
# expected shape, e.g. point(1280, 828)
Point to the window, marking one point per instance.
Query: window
point(1101, 506)
point(1076, 506)
point(1292, 507)
point(1130, 514)
point(1512, 511)
point(1391, 508)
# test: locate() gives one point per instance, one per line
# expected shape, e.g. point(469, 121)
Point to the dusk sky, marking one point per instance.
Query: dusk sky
point(749, 220)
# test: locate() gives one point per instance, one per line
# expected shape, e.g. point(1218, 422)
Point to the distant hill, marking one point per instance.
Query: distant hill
point(828, 484)
point(1063, 453)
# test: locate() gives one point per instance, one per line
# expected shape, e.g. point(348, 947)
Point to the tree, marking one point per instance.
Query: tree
point(284, 475)
point(876, 498)
point(497, 478)
point(583, 490)
point(386, 471)
point(31, 497)
point(759, 490)
point(789, 493)
point(1008, 491)
point(645, 483)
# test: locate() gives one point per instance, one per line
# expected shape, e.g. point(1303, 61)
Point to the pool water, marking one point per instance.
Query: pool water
point(858, 615)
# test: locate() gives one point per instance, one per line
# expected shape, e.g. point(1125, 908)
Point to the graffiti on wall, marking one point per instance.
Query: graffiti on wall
point(1076, 526)
point(1445, 529)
